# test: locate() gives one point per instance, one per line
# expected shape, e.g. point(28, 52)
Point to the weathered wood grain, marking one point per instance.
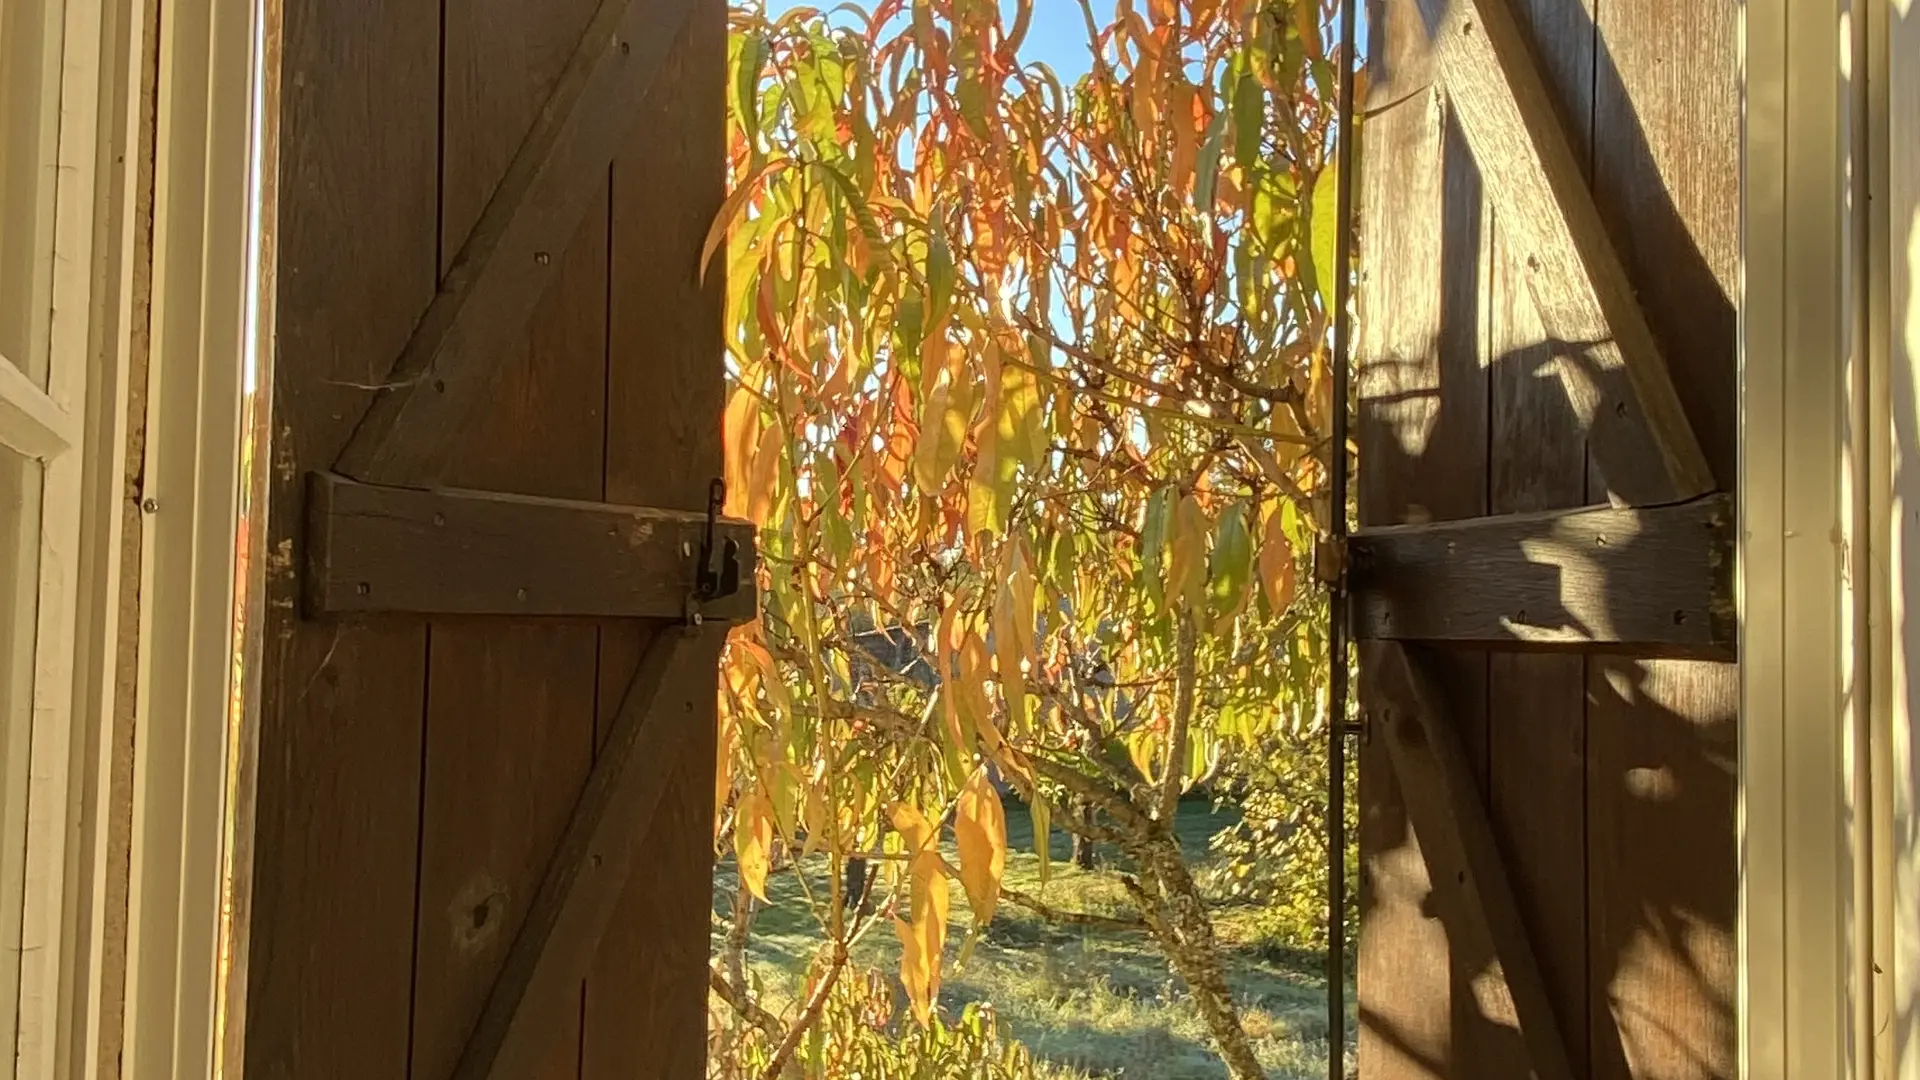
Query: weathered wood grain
point(1422, 454)
point(646, 998)
point(1611, 576)
point(385, 549)
point(1489, 946)
point(1664, 854)
point(1536, 701)
point(536, 998)
point(1614, 371)
point(512, 255)
point(510, 704)
point(330, 937)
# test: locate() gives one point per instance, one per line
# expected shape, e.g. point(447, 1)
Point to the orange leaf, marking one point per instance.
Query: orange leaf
point(980, 832)
point(1277, 570)
point(1187, 564)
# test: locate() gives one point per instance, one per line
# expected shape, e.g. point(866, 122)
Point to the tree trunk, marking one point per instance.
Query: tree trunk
point(1082, 844)
point(1178, 919)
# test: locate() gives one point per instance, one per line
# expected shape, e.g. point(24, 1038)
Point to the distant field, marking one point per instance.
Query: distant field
point(1091, 1001)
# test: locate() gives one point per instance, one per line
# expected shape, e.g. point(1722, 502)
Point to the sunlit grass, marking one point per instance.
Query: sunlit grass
point(1090, 1002)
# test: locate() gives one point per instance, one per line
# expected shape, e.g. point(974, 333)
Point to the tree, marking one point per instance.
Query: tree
point(1029, 386)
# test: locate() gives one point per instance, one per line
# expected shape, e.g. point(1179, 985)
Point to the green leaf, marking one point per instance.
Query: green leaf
point(940, 278)
point(746, 77)
point(1249, 118)
point(1326, 232)
point(1153, 543)
point(1207, 168)
point(1232, 563)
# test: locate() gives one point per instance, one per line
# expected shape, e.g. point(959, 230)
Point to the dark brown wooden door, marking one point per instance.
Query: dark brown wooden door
point(1550, 221)
point(489, 218)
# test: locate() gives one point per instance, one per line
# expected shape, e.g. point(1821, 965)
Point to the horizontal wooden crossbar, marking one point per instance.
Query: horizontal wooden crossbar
point(392, 550)
point(1658, 577)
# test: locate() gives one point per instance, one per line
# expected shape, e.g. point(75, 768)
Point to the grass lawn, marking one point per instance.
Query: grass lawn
point(1090, 1001)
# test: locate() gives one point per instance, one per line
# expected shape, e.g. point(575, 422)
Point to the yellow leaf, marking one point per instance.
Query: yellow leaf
point(912, 826)
point(1141, 746)
point(753, 842)
point(971, 691)
point(766, 468)
point(1187, 564)
point(723, 762)
point(1013, 632)
point(980, 829)
point(731, 209)
point(1277, 570)
point(740, 431)
point(814, 817)
point(928, 904)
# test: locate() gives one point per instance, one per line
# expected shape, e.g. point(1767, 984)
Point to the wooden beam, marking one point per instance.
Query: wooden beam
point(1612, 365)
point(514, 253)
point(1659, 577)
point(1487, 942)
point(540, 979)
point(376, 549)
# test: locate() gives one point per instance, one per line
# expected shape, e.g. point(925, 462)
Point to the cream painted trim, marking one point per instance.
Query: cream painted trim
point(1803, 671)
point(31, 424)
point(92, 927)
point(1898, 768)
point(82, 410)
point(205, 276)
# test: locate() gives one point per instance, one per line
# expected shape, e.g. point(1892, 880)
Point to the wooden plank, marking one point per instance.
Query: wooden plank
point(1470, 886)
point(386, 549)
point(646, 1012)
point(1615, 372)
point(330, 939)
point(1425, 455)
point(1663, 868)
point(510, 704)
point(536, 995)
point(1656, 577)
point(1664, 857)
point(1536, 701)
point(512, 256)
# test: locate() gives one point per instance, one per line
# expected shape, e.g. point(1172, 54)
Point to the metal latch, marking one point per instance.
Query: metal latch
point(712, 582)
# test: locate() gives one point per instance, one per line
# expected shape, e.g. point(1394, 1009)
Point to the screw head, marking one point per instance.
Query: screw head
point(150, 505)
point(363, 588)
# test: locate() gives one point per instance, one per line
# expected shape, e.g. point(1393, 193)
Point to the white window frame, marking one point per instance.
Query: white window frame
point(54, 426)
point(156, 271)
point(1828, 904)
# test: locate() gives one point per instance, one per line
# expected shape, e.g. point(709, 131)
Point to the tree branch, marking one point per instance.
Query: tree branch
point(1185, 675)
point(1071, 918)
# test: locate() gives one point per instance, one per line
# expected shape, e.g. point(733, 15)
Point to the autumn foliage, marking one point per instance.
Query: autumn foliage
point(1029, 401)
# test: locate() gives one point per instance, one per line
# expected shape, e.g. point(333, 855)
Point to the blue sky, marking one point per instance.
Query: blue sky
point(1057, 37)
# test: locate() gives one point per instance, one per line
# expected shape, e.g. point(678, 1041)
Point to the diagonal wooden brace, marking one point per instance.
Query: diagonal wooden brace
point(1610, 361)
point(538, 983)
point(514, 252)
point(1470, 887)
